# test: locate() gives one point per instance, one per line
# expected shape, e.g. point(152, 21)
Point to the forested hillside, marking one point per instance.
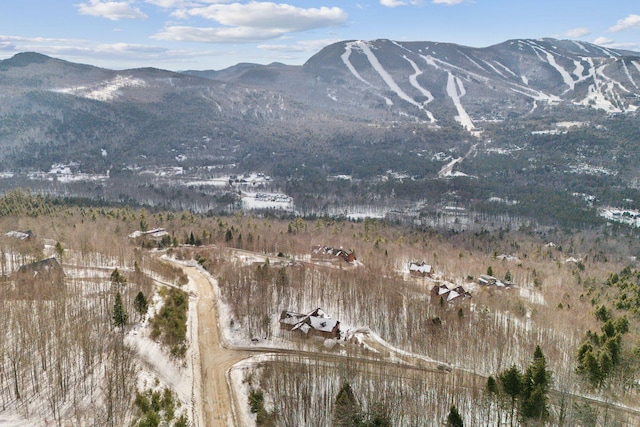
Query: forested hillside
point(80, 345)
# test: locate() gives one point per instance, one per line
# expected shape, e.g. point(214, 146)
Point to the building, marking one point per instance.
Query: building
point(316, 323)
point(328, 252)
point(422, 269)
point(449, 295)
point(41, 280)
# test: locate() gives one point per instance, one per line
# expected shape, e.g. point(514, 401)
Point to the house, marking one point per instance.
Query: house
point(38, 280)
point(328, 252)
point(422, 269)
point(156, 233)
point(449, 295)
point(485, 279)
point(20, 235)
point(316, 323)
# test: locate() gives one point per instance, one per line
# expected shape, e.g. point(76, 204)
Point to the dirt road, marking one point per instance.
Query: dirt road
point(215, 396)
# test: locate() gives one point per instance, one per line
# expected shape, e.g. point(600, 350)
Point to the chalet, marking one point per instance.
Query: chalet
point(316, 323)
point(38, 280)
point(156, 233)
point(422, 269)
point(48, 268)
point(20, 235)
point(328, 252)
point(485, 279)
point(449, 295)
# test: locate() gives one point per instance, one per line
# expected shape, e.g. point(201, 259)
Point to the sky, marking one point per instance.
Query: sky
point(216, 34)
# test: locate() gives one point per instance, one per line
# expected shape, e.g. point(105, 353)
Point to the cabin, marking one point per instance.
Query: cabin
point(449, 295)
point(42, 280)
point(346, 255)
point(485, 279)
point(155, 234)
point(316, 323)
point(423, 269)
point(20, 235)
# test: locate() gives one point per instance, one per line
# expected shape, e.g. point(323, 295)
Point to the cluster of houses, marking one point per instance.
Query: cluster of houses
point(316, 323)
point(338, 253)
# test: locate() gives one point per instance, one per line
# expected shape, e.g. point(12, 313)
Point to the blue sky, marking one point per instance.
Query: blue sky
point(215, 34)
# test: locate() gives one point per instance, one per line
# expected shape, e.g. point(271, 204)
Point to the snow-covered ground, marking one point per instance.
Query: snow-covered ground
point(625, 216)
point(263, 200)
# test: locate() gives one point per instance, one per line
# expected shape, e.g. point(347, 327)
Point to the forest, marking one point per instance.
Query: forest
point(559, 346)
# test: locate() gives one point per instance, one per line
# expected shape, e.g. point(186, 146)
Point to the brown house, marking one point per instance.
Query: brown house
point(422, 269)
point(449, 295)
point(328, 252)
point(316, 323)
point(39, 280)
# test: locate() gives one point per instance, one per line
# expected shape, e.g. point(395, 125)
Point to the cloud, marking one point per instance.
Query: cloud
point(603, 41)
point(114, 10)
point(396, 3)
point(217, 35)
point(631, 21)
point(577, 32)
point(612, 44)
point(447, 2)
point(254, 21)
point(300, 46)
point(271, 15)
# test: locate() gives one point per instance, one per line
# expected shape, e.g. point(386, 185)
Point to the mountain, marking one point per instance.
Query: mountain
point(542, 127)
point(440, 82)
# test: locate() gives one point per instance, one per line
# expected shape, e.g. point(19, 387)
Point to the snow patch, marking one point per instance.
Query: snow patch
point(104, 91)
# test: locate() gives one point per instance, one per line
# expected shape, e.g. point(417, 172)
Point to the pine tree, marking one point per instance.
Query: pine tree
point(511, 381)
point(454, 419)
point(346, 410)
point(140, 304)
point(120, 316)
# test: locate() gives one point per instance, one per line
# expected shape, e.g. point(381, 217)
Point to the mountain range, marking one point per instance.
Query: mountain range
point(356, 108)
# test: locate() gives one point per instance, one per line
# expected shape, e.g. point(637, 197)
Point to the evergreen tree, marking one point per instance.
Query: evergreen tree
point(454, 419)
point(346, 410)
point(59, 251)
point(140, 304)
point(489, 271)
point(120, 316)
point(511, 382)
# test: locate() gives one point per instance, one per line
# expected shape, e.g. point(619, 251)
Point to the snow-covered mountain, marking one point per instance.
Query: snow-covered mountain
point(437, 82)
point(350, 87)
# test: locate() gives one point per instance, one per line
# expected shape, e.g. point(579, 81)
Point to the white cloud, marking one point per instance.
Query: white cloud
point(631, 21)
point(396, 3)
point(300, 46)
point(392, 3)
point(447, 2)
point(114, 10)
point(286, 17)
point(603, 41)
point(217, 35)
point(577, 32)
point(254, 21)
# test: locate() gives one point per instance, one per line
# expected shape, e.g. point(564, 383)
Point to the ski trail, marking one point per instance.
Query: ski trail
point(507, 69)
point(414, 82)
point(580, 46)
point(495, 69)
point(626, 70)
point(565, 75)
point(579, 70)
point(386, 77)
point(345, 58)
point(453, 85)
